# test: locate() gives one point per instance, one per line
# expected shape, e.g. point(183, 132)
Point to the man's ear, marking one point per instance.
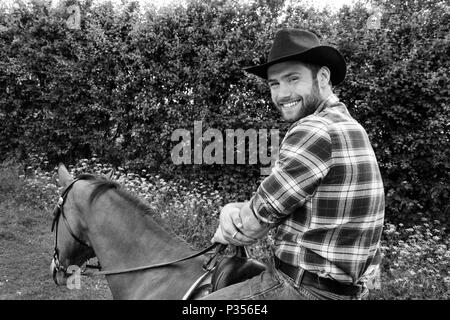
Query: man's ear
point(324, 77)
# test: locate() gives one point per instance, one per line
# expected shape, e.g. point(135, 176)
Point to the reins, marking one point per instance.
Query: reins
point(158, 265)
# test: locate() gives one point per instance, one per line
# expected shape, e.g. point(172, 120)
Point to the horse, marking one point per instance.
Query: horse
point(101, 219)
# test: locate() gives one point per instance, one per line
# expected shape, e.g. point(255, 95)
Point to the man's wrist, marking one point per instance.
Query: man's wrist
point(261, 221)
point(252, 226)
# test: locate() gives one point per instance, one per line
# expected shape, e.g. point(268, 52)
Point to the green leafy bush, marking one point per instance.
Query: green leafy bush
point(120, 86)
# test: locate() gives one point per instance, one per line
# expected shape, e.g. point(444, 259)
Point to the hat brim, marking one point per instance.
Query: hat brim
point(320, 55)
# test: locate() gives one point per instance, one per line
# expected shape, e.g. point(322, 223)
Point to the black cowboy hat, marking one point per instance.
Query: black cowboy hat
point(302, 45)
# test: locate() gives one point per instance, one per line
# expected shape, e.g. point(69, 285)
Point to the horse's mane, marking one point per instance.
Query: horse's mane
point(102, 184)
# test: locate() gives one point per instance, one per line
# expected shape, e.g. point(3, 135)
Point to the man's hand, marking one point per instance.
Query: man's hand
point(238, 225)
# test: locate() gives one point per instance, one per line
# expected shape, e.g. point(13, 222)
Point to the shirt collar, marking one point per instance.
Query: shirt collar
point(332, 99)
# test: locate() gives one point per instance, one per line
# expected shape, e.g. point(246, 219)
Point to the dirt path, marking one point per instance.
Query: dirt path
point(26, 246)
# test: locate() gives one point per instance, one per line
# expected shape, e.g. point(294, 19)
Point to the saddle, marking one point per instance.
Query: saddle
point(235, 269)
point(225, 271)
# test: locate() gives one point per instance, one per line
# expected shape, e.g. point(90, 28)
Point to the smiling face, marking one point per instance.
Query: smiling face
point(294, 89)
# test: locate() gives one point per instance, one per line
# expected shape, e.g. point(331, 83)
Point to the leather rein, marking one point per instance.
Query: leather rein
point(59, 211)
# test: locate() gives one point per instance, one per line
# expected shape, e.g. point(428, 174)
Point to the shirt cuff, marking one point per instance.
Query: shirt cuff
point(259, 210)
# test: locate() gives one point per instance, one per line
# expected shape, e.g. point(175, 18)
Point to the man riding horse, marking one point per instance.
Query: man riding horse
point(325, 193)
point(325, 197)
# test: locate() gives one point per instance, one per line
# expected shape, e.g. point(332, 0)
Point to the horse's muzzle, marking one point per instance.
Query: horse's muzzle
point(59, 276)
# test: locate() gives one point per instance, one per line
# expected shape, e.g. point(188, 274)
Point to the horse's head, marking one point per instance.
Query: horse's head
point(72, 247)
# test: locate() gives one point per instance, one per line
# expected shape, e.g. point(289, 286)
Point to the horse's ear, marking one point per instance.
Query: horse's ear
point(64, 177)
point(109, 175)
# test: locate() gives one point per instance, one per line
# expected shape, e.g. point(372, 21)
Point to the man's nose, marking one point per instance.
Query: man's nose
point(284, 92)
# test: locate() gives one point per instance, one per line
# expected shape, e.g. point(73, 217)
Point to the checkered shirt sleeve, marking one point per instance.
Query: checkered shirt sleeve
point(304, 160)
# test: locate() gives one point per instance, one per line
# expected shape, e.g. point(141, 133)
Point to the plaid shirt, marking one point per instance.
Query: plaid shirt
point(326, 196)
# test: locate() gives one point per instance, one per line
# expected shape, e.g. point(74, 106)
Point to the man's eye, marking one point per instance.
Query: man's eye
point(293, 79)
point(273, 85)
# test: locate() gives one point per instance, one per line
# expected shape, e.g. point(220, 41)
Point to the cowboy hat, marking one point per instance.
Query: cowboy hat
point(302, 45)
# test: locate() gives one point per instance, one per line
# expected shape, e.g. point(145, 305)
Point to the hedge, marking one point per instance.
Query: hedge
point(129, 77)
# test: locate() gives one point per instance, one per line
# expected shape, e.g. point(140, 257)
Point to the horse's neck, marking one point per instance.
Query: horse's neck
point(124, 239)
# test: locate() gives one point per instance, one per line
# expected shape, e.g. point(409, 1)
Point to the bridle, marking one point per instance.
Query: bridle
point(59, 211)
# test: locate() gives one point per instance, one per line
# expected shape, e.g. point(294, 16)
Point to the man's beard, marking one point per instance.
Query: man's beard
point(310, 103)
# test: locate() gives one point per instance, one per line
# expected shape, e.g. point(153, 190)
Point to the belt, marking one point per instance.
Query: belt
point(312, 279)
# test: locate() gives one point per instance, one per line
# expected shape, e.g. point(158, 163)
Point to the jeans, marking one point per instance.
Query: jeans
point(273, 284)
